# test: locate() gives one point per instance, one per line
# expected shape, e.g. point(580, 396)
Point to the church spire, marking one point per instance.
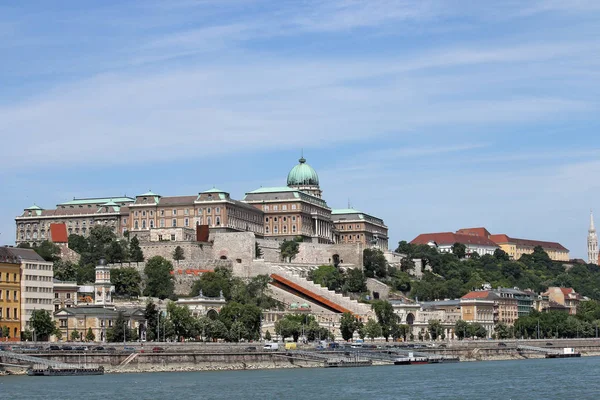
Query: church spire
point(592, 242)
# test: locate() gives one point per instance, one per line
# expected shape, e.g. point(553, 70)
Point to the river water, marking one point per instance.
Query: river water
point(524, 379)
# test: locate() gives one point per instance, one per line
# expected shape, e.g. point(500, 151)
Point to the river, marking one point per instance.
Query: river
point(523, 379)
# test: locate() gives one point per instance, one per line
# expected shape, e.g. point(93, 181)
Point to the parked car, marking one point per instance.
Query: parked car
point(110, 349)
point(549, 344)
point(98, 348)
point(443, 345)
point(129, 349)
point(67, 348)
point(250, 348)
point(80, 348)
point(158, 349)
point(501, 344)
point(53, 347)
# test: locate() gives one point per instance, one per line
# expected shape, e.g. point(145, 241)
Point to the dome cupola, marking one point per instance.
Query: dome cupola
point(303, 177)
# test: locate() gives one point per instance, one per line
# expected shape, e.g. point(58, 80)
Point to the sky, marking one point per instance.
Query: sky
point(434, 115)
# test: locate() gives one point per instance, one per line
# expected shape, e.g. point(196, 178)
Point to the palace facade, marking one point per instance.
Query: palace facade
point(296, 210)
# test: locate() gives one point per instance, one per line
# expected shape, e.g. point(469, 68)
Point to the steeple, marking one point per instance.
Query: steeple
point(592, 242)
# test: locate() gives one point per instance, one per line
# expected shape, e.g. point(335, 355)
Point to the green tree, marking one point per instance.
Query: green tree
point(237, 331)
point(75, 335)
point(120, 331)
point(373, 329)
point(247, 314)
point(461, 329)
point(258, 253)
point(178, 254)
point(65, 270)
point(328, 276)
point(267, 336)
point(502, 331)
point(435, 329)
point(184, 324)
point(127, 281)
point(356, 281)
point(151, 316)
point(24, 245)
point(78, 243)
point(459, 250)
point(374, 263)
point(214, 283)
point(404, 248)
point(85, 273)
point(41, 322)
point(289, 250)
point(385, 316)
point(135, 251)
point(159, 281)
point(26, 335)
point(5, 332)
point(501, 255)
point(48, 251)
point(116, 252)
point(287, 327)
point(347, 325)
point(89, 336)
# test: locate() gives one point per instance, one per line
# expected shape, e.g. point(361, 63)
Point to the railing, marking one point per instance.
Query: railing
point(36, 360)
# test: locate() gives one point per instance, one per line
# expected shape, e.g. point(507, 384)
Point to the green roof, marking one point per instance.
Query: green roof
point(214, 190)
point(149, 194)
point(97, 200)
point(303, 175)
point(34, 207)
point(340, 211)
point(273, 190)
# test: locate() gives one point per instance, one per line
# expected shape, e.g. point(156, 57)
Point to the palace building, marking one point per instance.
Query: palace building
point(297, 210)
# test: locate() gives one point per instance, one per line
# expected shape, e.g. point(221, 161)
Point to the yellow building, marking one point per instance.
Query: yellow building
point(515, 248)
point(10, 296)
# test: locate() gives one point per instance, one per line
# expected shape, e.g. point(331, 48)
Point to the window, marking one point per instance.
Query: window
point(275, 208)
point(186, 212)
point(174, 222)
point(199, 211)
point(294, 228)
point(199, 221)
point(56, 295)
point(266, 208)
point(151, 223)
point(208, 210)
point(284, 219)
point(285, 229)
point(357, 226)
point(209, 221)
point(162, 222)
point(162, 213)
point(136, 225)
point(144, 224)
point(172, 237)
point(68, 295)
point(174, 212)
point(135, 213)
point(294, 218)
point(267, 219)
point(186, 222)
point(284, 207)
point(218, 221)
point(218, 210)
point(266, 229)
point(275, 229)
point(143, 213)
point(275, 219)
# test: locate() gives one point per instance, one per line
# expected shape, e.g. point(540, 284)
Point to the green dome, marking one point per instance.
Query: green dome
point(303, 175)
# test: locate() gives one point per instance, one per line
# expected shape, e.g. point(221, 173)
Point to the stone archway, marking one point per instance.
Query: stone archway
point(212, 314)
point(410, 319)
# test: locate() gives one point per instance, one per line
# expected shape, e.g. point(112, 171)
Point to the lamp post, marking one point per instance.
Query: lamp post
point(124, 332)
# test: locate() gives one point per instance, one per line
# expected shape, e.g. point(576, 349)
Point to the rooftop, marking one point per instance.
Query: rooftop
point(449, 238)
point(97, 200)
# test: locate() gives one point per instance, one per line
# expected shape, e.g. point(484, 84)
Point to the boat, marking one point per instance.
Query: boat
point(444, 360)
point(569, 355)
point(411, 361)
point(50, 371)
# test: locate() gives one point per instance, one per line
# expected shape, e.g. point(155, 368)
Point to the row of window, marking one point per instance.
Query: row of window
point(275, 207)
point(284, 219)
point(174, 212)
point(38, 267)
point(15, 277)
point(38, 278)
point(284, 229)
point(30, 300)
point(15, 296)
point(186, 223)
point(341, 227)
point(7, 315)
point(35, 289)
point(56, 295)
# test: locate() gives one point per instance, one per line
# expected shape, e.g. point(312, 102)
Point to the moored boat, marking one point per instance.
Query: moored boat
point(65, 371)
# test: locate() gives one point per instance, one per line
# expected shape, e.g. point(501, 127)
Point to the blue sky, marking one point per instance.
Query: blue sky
point(434, 115)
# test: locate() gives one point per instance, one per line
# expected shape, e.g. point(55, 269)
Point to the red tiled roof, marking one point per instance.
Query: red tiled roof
point(474, 231)
point(449, 238)
point(566, 290)
point(480, 294)
point(58, 233)
point(502, 238)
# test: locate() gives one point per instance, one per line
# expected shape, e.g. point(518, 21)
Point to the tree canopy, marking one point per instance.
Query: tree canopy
point(159, 281)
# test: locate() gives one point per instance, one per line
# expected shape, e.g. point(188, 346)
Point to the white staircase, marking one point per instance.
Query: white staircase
point(293, 275)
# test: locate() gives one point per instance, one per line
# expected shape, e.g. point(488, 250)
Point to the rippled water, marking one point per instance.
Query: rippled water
point(526, 379)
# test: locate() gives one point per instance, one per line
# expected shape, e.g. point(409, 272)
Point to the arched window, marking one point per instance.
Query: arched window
point(151, 223)
point(143, 224)
point(218, 221)
point(136, 225)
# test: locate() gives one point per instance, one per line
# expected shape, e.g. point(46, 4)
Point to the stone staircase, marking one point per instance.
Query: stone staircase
point(337, 298)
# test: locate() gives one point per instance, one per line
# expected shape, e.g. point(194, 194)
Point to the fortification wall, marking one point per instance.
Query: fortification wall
point(350, 255)
point(192, 251)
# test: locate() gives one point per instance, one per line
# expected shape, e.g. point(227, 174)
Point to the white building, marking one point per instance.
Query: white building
point(444, 241)
point(37, 275)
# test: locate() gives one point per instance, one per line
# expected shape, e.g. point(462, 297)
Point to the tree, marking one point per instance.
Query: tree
point(347, 325)
point(258, 253)
point(184, 324)
point(116, 252)
point(268, 336)
point(373, 329)
point(356, 282)
point(127, 281)
point(247, 314)
point(151, 316)
point(178, 254)
point(214, 283)
point(119, 331)
point(135, 251)
point(459, 250)
point(41, 322)
point(89, 336)
point(478, 330)
point(5, 332)
point(461, 329)
point(287, 327)
point(78, 243)
point(289, 249)
point(328, 276)
point(159, 281)
point(502, 330)
point(385, 316)
point(237, 331)
point(435, 329)
point(374, 263)
point(24, 245)
point(26, 335)
point(48, 251)
point(404, 248)
point(501, 255)
point(65, 270)
point(75, 335)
